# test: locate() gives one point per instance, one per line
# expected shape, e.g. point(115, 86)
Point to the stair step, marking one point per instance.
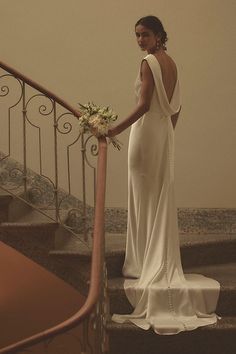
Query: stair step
point(31, 234)
point(224, 273)
point(209, 249)
point(5, 200)
point(196, 250)
point(33, 216)
point(16, 209)
point(213, 339)
point(32, 221)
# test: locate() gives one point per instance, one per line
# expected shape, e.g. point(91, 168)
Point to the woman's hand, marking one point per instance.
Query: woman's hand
point(94, 131)
point(111, 132)
point(77, 113)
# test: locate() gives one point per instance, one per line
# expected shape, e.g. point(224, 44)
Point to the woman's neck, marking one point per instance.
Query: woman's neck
point(156, 51)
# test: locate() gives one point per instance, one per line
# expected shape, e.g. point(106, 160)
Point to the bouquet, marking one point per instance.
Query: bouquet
point(99, 119)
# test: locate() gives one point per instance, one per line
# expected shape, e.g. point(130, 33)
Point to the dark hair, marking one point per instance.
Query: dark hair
point(154, 24)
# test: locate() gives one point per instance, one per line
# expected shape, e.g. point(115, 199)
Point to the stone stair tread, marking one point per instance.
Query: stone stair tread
point(11, 190)
point(5, 198)
point(65, 252)
point(224, 273)
point(34, 218)
point(4, 194)
point(218, 338)
point(76, 245)
point(115, 243)
point(192, 239)
point(22, 225)
point(225, 323)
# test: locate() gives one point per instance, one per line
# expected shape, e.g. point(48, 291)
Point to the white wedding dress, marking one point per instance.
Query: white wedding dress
point(163, 297)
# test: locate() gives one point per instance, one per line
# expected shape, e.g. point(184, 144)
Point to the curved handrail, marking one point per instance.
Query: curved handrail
point(96, 267)
point(39, 87)
point(98, 239)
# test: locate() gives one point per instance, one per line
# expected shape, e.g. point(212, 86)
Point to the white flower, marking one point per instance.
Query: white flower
point(99, 118)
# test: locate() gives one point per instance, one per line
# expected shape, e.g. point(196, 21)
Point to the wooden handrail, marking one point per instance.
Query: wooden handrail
point(98, 236)
point(97, 263)
point(39, 87)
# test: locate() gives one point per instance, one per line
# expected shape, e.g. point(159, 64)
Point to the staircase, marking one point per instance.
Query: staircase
point(213, 255)
point(42, 238)
point(210, 255)
point(35, 235)
point(41, 132)
point(32, 300)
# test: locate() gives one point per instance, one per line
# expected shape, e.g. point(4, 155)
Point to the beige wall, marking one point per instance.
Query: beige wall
point(86, 50)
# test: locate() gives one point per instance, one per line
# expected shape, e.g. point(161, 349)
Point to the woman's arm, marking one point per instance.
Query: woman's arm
point(147, 87)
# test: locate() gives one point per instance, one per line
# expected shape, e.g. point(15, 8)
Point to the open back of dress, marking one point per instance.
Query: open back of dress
point(163, 296)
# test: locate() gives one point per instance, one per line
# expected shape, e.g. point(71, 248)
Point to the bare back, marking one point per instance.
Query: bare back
point(169, 73)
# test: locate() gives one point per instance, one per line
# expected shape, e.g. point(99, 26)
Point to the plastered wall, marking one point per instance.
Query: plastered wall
point(86, 50)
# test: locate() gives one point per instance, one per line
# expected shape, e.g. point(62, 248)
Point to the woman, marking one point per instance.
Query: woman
point(162, 296)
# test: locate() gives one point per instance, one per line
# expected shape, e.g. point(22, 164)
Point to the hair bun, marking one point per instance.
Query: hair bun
point(155, 25)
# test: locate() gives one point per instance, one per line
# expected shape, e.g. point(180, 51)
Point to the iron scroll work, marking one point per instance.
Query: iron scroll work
point(61, 181)
point(49, 165)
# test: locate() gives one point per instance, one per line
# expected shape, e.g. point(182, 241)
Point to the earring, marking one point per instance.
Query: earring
point(158, 44)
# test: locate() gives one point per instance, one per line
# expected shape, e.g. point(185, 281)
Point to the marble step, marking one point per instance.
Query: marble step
point(29, 231)
point(35, 242)
point(28, 228)
point(224, 273)
point(11, 207)
point(196, 250)
point(214, 339)
point(33, 234)
point(5, 200)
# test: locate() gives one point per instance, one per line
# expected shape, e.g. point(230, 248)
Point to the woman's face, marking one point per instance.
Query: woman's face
point(146, 39)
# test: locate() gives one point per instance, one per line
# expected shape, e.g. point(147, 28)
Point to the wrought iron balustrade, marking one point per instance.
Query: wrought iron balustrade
point(40, 131)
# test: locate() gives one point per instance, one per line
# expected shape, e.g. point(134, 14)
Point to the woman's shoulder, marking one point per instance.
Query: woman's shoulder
point(162, 58)
point(167, 64)
point(162, 61)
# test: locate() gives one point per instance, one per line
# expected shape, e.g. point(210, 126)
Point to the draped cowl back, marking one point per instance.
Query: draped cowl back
point(168, 108)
